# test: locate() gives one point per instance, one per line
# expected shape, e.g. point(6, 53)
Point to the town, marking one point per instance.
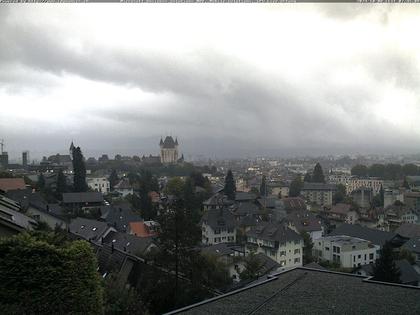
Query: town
point(163, 234)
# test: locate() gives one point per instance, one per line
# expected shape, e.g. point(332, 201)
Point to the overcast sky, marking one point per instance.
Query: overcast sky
point(229, 80)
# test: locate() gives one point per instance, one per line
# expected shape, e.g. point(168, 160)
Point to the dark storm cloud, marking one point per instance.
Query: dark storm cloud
point(215, 103)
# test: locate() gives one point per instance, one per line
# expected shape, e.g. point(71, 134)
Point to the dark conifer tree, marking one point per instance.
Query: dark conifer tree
point(230, 187)
point(113, 179)
point(318, 174)
point(79, 171)
point(41, 182)
point(263, 187)
point(385, 268)
point(61, 184)
point(295, 187)
point(308, 177)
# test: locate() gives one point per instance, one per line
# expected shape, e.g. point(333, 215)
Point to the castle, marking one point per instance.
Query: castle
point(169, 151)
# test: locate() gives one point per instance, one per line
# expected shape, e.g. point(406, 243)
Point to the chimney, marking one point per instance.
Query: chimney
point(112, 247)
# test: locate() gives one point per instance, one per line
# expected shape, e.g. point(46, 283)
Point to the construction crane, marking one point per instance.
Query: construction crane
point(2, 145)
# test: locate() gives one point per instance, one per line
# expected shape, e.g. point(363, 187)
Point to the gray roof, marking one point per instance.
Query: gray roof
point(267, 264)
point(376, 237)
point(318, 186)
point(119, 216)
point(219, 218)
point(129, 243)
point(273, 232)
point(222, 249)
point(88, 229)
point(304, 221)
point(413, 245)
point(409, 230)
point(408, 273)
point(245, 208)
point(308, 291)
point(268, 202)
point(13, 218)
point(244, 196)
point(83, 197)
point(169, 143)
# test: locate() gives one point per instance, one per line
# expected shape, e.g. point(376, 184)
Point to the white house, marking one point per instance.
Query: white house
point(218, 226)
point(348, 251)
point(278, 242)
point(124, 188)
point(99, 184)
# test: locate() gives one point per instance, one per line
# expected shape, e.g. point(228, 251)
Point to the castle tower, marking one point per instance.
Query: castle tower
point(168, 150)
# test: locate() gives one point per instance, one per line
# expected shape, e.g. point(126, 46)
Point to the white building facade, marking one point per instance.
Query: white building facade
point(99, 184)
point(348, 251)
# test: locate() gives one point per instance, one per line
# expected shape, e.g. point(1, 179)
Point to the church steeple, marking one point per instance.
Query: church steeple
point(176, 141)
point(72, 147)
point(161, 142)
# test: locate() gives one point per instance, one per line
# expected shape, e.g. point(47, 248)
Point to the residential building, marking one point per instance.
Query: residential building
point(413, 246)
point(90, 230)
point(168, 150)
point(305, 221)
point(362, 196)
point(348, 251)
point(412, 200)
point(12, 221)
point(277, 241)
point(119, 216)
point(342, 212)
point(376, 237)
point(100, 184)
point(124, 188)
point(318, 193)
point(392, 195)
point(138, 246)
point(411, 216)
point(312, 291)
point(144, 228)
point(409, 230)
point(7, 184)
point(82, 200)
point(218, 226)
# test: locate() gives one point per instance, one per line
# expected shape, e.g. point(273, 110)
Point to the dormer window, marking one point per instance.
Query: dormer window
point(82, 227)
point(94, 229)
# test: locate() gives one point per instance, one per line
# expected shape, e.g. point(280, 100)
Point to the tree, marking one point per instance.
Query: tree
point(318, 174)
point(307, 247)
point(340, 195)
point(41, 182)
point(359, 170)
point(113, 179)
point(119, 299)
point(404, 253)
point(61, 184)
point(308, 177)
point(385, 268)
point(377, 170)
point(252, 267)
point(39, 275)
point(175, 186)
point(263, 187)
point(79, 170)
point(295, 187)
point(230, 186)
point(410, 170)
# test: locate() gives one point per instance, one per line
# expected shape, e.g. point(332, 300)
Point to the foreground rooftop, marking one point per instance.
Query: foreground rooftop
point(310, 291)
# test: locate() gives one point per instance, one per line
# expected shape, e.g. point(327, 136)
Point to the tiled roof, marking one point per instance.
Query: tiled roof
point(340, 208)
point(304, 221)
point(119, 216)
point(83, 197)
point(409, 230)
point(318, 186)
point(88, 229)
point(294, 203)
point(219, 218)
point(7, 184)
point(377, 237)
point(273, 232)
point(129, 243)
point(308, 291)
point(140, 229)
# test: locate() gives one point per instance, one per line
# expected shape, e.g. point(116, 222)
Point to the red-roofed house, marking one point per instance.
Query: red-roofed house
point(143, 229)
point(12, 184)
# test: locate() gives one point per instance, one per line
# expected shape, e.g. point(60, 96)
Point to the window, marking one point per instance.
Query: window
point(327, 248)
point(354, 258)
point(365, 256)
point(359, 256)
point(297, 260)
point(282, 263)
point(217, 231)
point(334, 249)
point(283, 253)
point(338, 250)
point(297, 251)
